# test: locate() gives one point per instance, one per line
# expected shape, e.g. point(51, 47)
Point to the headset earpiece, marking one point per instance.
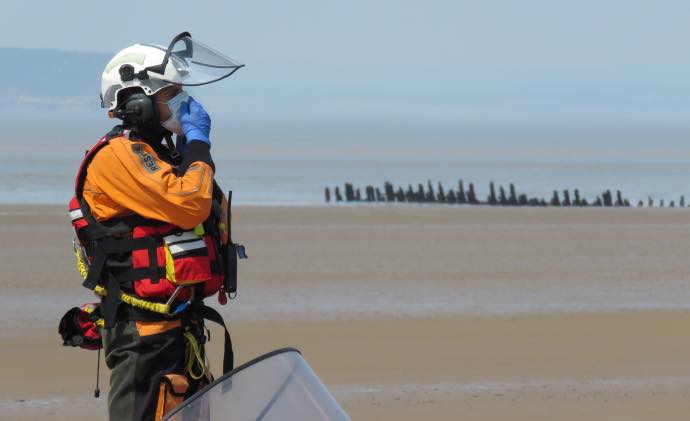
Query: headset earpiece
point(138, 109)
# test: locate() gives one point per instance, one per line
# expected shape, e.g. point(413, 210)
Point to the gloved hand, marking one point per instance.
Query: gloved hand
point(195, 121)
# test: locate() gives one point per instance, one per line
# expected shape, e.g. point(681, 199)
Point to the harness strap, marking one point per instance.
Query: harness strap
point(95, 271)
point(110, 245)
point(111, 301)
point(110, 238)
point(211, 314)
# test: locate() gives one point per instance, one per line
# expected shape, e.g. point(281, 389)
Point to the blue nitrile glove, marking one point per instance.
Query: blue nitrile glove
point(195, 121)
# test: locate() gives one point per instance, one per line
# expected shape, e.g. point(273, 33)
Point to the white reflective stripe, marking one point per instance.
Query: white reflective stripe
point(185, 236)
point(182, 247)
point(76, 214)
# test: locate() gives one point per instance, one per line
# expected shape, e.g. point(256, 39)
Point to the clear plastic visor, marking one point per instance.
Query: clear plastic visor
point(278, 386)
point(192, 63)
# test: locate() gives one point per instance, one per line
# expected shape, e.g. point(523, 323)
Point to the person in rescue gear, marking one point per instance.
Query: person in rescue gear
point(151, 227)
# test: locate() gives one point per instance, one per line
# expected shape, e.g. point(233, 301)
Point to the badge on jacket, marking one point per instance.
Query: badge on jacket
point(147, 160)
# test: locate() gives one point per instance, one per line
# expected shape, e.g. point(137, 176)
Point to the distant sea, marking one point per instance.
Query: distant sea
point(290, 163)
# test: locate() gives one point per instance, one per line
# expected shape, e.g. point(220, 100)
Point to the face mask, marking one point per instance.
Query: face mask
point(174, 104)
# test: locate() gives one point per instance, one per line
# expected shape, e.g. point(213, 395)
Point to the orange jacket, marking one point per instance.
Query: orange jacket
point(127, 177)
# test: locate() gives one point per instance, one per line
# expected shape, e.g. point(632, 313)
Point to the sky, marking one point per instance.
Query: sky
point(529, 61)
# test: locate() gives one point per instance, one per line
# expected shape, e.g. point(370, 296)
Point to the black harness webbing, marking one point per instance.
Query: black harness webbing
point(115, 239)
point(110, 302)
point(210, 313)
point(109, 246)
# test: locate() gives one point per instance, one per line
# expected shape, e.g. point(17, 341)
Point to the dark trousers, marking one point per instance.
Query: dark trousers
point(139, 354)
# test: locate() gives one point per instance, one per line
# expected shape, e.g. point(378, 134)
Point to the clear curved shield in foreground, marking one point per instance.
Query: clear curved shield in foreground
point(277, 386)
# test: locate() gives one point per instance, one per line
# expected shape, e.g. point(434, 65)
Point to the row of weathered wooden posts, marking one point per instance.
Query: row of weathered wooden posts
point(461, 196)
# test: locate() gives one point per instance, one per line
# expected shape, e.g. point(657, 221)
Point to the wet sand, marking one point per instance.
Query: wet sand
point(406, 313)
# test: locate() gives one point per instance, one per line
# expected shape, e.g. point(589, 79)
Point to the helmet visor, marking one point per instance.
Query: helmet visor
point(192, 63)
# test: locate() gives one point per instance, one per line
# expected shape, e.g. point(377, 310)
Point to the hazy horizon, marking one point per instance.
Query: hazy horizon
point(549, 95)
point(530, 62)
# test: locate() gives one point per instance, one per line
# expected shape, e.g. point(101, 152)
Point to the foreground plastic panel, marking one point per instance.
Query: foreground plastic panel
point(276, 386)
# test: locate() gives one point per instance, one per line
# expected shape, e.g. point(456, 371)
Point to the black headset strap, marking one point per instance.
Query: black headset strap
point(174, 153)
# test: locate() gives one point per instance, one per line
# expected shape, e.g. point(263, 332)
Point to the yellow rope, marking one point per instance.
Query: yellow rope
point(81, 265)
point(124, 297)
point(193, 357)
point(136, 302)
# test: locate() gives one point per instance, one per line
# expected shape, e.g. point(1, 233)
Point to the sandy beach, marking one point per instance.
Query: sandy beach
point(406, 313)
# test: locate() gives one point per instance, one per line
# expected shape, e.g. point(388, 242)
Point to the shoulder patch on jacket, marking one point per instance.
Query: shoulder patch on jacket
point(147, 160)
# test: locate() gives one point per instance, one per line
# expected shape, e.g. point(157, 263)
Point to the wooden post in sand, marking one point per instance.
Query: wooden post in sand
point(672, 204)
point(400, 195)
point(682, 202)
point(640, 204)
point(430, 196)
point(566, 198)
point(650, 202)
point(555, 201)
point(379, 196)
point(328, 195)
point(661, 203)
point(338, 196)
point(492, 194)
point(349, 192)
point(409, 194)
point(441, 196)
point(608, 202)
point(502, 199)
point(522, 200)
point(619, 198)
point(390, 192)
point(461, 193)
point(512, 199)
point(577, 201)
point(451, 197)
point(358, 195)
point(370, 193)
point(421, 197)
point(471, 196)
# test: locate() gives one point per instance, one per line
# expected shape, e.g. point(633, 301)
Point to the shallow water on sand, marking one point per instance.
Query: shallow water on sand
point(417, 299)
point(291, 164)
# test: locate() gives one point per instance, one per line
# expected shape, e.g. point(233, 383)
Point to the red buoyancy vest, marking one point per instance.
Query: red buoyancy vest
point(151, 259)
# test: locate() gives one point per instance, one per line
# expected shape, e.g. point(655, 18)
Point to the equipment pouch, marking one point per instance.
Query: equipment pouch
point(187, 258)
point(80, 327)
point(173, 389)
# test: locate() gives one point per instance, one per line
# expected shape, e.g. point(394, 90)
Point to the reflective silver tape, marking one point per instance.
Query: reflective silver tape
point(76, 214)
point(184, 247)
point(185, 236)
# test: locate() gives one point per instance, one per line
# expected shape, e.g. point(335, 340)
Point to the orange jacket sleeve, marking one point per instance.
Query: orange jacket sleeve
point(134, 179)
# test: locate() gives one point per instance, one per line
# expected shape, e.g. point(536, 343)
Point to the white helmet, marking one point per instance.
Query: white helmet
point(151, 68)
